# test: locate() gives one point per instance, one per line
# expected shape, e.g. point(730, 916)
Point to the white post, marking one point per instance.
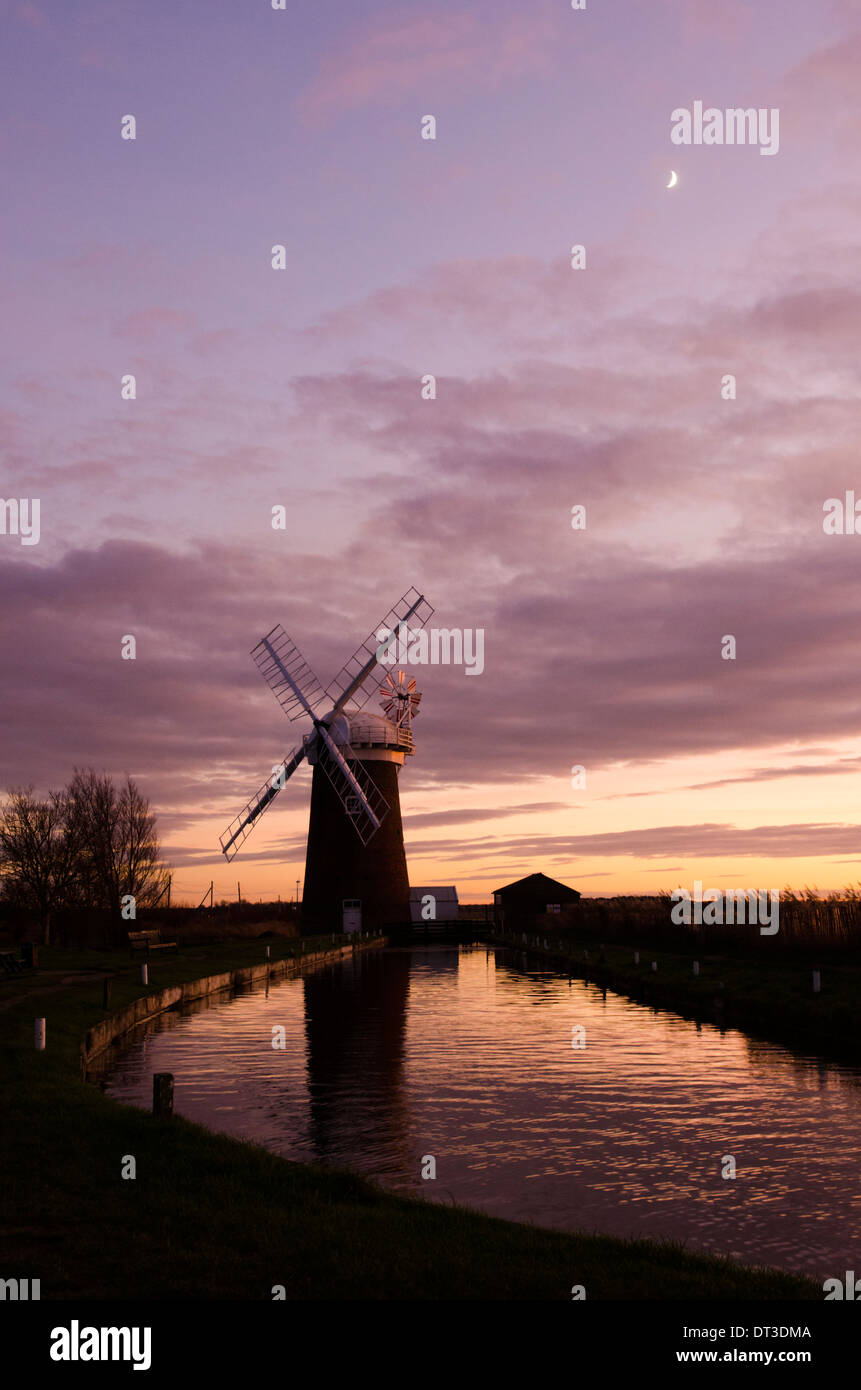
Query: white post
point(40, 1035)
point(817, 982)
point(696, 967)
point(144, 974)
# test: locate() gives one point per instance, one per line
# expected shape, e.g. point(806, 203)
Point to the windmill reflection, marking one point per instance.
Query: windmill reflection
point(355, 1025)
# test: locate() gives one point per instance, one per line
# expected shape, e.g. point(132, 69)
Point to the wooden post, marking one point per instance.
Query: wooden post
point(106, 993)
point(144, 974)
point(162, 1094)
point(40, 1035)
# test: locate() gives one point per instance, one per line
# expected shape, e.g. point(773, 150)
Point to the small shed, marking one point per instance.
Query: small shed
point(440, 904)
point(531, 897)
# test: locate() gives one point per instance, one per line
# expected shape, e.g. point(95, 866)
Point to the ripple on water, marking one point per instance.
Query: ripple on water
point(465, 1055)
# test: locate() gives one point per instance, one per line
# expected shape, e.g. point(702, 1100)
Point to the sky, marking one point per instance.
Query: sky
point(599, 387)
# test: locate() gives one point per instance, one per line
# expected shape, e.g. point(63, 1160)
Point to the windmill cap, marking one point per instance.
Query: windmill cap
point(374, 730)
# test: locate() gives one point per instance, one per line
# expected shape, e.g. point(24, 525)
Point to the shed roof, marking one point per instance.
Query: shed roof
point(538, 883)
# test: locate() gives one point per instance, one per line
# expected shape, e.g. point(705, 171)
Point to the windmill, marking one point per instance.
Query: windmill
point(400, 700)
point(355, 852)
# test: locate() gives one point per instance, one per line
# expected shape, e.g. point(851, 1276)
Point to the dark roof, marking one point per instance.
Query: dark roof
point(537, 883)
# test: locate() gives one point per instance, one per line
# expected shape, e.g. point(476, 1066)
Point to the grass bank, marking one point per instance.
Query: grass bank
point(210, 1217)
point(770, 997)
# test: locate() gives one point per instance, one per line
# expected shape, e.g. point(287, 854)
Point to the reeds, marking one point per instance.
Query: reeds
point(809, 922)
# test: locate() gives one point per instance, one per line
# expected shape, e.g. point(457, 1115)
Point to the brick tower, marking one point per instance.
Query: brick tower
point(339, 868)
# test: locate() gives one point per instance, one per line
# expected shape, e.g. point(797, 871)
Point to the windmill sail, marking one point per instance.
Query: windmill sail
point(298, 691)
point(363, 802)
point(351, 685)
point(288, 674)
point(239, 829)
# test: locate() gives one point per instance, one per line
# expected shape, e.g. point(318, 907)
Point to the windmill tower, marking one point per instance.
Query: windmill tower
point(355, 864)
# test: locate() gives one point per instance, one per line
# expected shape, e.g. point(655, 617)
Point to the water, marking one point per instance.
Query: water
point(464, 1054)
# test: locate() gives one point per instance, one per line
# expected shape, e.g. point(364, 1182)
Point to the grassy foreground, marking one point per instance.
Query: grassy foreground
point(210, 1217)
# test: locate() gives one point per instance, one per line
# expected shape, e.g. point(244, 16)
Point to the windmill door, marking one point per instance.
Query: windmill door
point(352, 908)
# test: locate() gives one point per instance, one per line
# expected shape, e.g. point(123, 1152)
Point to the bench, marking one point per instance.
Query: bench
point(11, 963)
point(149, 941)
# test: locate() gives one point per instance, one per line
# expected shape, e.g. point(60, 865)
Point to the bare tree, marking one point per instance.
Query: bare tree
point(89, 846)
point(38, 858)
point(118, 849)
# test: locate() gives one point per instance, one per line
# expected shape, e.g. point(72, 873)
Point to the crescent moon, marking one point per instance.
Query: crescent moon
point(674, 178)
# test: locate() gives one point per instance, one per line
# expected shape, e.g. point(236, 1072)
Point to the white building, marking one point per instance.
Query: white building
point(433, 904)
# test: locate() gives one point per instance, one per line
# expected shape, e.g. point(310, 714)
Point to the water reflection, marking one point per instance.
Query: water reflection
point(355, 1024)
point(466, 1054)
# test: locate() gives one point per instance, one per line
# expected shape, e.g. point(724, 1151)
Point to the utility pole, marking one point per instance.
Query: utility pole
point(211, 904)
point(169, 882)
point(238, 892)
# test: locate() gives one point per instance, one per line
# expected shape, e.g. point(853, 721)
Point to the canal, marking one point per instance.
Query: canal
point(464, 1055)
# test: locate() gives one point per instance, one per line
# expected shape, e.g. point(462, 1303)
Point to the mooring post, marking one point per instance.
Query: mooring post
point(40, 1035)
point(162, 1094)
